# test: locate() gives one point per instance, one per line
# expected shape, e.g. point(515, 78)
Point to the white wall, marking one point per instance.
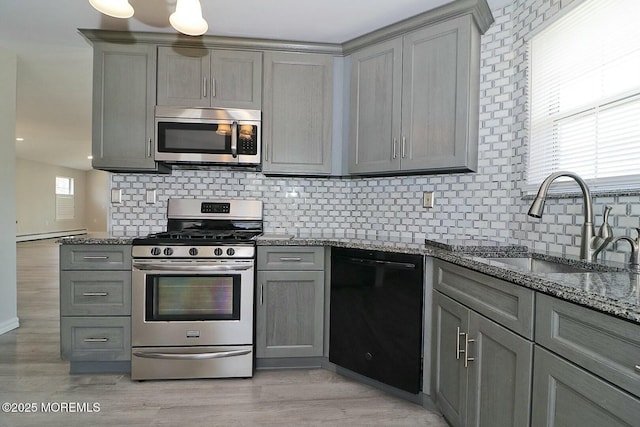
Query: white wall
point(8, 294)
point(97, 201)
point(36, 199)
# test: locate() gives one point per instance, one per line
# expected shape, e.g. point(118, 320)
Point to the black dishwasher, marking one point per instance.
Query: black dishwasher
point(376, 315)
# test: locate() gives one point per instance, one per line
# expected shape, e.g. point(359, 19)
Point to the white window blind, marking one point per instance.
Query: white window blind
point(584, 96)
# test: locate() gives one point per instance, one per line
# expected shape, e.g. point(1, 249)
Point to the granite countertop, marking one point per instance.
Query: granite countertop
point(95, 239)
point(612, 289)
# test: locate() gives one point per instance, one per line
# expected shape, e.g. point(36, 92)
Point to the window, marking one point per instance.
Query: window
point(584, 96)
point(65, 203)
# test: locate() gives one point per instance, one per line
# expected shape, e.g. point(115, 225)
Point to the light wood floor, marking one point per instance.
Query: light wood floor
point(31, 372)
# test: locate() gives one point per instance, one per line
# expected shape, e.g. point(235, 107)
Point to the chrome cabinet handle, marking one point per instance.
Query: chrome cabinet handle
point(262, 294)
point(150, 148)
point(404, 147)
point(395, 148)
point(467, 359)
point(638, 368)
point(204, 87)
point(292, 259)
point(458, 349)
point(213, 87)
point(94, 257)
point(95, 294)
point(96, 339)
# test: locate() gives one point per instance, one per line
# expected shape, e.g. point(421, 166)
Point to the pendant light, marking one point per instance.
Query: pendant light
point(188, 18)
point(115, 8)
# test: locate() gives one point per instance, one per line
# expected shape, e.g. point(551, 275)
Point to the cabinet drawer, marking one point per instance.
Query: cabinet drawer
point(602, 344)
point(290, 258)
point(106, 293)
point(95, 338)
point(505, 303)
point(95, 257)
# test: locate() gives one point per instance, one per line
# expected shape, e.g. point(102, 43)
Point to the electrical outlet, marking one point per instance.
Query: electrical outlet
point(427, 199)
point(150, 197)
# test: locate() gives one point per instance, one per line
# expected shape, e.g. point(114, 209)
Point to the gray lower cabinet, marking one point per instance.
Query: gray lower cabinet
point(565, 395)
point(197, 77)
point(481, 371)
point(124, 98)
point(414, 101)
point(481, 362)
point(593, 379)
point(290, 302)
point(297, 113)
point(95, 307)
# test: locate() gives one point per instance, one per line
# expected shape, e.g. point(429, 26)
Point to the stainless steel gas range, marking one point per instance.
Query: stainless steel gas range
point(193, 292)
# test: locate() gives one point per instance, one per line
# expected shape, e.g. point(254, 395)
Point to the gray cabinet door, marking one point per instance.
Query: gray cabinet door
point(499, 376)
point(448, 374)
point(124, 82)
point(297, 113)
point(183, 76)
point(375, 107)
point(290, 311)
point(195, 77)
point(567, 396)
point(236, 79)
point(440, 97)
point(91, 293)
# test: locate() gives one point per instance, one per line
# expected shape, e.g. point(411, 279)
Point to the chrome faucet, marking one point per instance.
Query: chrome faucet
point(634, 259)
point(591, 245)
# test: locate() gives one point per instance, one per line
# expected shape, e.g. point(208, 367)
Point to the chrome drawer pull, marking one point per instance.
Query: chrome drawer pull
point(458, 349)
point(638, 368)
point(293, 259)
point(95, 257)
point(96, 339)
point(467, 359)
point(95, 294)
point(191, 356)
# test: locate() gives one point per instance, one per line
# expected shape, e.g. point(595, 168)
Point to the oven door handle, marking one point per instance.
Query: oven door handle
point(191, 267)
point(191, 356)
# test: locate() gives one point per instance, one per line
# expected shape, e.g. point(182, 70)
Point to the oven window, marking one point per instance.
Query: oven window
point(194, 138)
point(194, 297)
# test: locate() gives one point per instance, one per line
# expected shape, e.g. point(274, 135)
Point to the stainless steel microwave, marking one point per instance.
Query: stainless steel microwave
point(208, 135)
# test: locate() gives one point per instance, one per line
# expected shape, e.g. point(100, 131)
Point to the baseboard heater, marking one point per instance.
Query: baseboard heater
point(49, 235)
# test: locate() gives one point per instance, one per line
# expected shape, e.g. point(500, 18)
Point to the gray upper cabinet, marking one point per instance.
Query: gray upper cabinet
point(376, 86)
point(297, 113)
point(415, 101)
point(196, 77)
point(124, 87)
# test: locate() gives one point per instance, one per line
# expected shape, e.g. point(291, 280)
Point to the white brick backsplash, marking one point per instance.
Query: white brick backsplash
point(487, 204)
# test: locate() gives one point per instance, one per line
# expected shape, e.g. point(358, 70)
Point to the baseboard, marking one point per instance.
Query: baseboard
point(9, 325)
point(51, 235)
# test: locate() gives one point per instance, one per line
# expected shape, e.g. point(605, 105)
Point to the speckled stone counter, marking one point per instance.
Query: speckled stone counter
point(609, 289)
point(95, 239)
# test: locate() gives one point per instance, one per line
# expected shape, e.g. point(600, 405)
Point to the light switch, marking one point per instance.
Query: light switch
point(116, 195)
point(151, 197)
point(427, 199)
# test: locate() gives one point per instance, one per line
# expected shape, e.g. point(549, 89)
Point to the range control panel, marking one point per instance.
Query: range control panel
point(208, 207)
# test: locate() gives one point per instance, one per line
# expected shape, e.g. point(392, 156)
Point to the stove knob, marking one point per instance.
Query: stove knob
point(231, 251)
point(193, 251)
point(168, 251)
point(217, 252)
point(155, 251)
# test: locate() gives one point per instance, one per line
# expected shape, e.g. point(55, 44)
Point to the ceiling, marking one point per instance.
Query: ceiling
point(55, 61)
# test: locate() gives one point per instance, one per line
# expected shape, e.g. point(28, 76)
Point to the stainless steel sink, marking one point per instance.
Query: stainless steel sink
point(536, 265)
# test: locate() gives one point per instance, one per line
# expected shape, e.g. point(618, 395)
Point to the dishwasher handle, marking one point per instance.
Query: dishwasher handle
point(381, 263)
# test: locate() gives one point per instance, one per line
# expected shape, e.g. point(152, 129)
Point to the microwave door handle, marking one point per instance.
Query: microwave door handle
point(234, 139)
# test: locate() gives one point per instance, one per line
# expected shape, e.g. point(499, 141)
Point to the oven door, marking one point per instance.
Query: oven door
point(192, 303)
